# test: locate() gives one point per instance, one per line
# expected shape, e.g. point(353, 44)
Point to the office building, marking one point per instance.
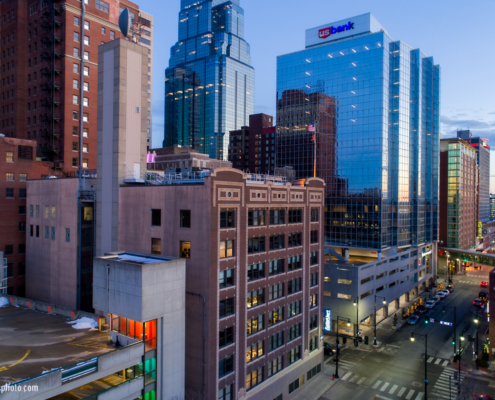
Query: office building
point(492, 207)
point(458, 194)
point(252, 148)
point(209, 85)
point(253, 303)
point(486, 228)
point(44, 81)
point(141, 306)
point(17, 165)
point(59, 250)
point(361, 111)
point(366, 96)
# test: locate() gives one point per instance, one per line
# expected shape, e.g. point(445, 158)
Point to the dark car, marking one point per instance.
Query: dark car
point(478, 302)
point(450, 288)
point(482, 295)
point(421, 309)
point(483, 284)
point(328, 349)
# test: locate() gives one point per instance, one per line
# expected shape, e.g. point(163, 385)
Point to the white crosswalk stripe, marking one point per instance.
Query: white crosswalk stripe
point(384, 387)
point(420, 396)
point(377, 383)
point(444, 364)
point(354, 378)
point(410, 394)
point(361, 380)
point(401, 392)
point(394, 388)
point(438, 361)
point(347, 375)
point(430, 359)
point(446, 384)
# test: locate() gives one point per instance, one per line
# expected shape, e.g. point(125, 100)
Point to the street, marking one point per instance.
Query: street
point(397, 368)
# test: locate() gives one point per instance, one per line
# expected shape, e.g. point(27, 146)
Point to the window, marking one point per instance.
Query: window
point(112, 35)
point(227, 219)
point(254, 378)
point(21, 271)
point(85, 149)
point(294, 239)
point(75, 68)
point(76, 21)
point(22, 210)
point(313, 301)
point(86, 71)
point(9, 250)
point(313, 258)
point(313, 344)
point(10, 270)
point(86, 42)
point(255, 298)
point(277, 242)
point(9, 156)
point(226, 248)
point(254, 351)
point(314, 237)
point(344, 281)
point(74, 162)
point(255, 324)
point(75, 84)
point(225, 393)
point(85, 117)
point(314, 371)
point(226, 337)
point(75, 115)
point(296, 384)
point(226, 278)
point(47, 212)
point(47, 232)
point(294, 263)
point(22, 227)
point(9, 193)
point(256, 271)
point(33, 9)
point(313, 279)
point(76, 36)
point(294, 309)
point(277, 217)
point(86, 86)
point(9, 176)
point(295, 216)
point(256, 245)
point(293, 332)
point(275, 366)
point(31, 230)
point(275, 341)
point(86, 55)
point(226, 307)
point(185, 249)
point(343, 296)
point(276, 316)
point(156, 217)
point(31, 211)
point(276, 291)
point(85, 132)
point(185, 218)
point(313, 322)
point(156, 246)
point(37, 231)
point(75, 99)
point(294, 355)
point(314, 215)
point(276, 267)
point(226, 366)
point(67, 235)
point(103, 30)
point(294, 286)
point(256, 218)
point(86, 25)
point(75, 53)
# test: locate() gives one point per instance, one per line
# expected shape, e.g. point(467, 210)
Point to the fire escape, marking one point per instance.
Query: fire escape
point(51, 144)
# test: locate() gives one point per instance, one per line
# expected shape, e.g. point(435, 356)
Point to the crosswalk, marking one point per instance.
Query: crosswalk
point(442, 387)
point(384, 387)
point(470, 282)
point(438, 361)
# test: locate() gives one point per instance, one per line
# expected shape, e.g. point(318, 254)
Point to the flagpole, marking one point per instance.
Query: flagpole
point(314, 168)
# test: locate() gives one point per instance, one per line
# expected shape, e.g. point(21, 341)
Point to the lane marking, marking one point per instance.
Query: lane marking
point(382, 397)
point(346, 376)
point(13, 365)
point(378, 383)
point(430, 359)
point(394, 388)
point(401, 392)
point(410, 394)
point(384, 387)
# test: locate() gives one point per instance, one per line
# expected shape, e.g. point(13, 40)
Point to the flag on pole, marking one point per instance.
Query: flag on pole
point(313, 138)
point(311, 128)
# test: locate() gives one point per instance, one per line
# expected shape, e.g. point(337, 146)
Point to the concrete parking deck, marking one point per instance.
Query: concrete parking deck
point(32, 342)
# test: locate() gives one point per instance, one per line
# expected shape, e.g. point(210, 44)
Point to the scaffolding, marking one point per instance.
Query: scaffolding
point(51, 135)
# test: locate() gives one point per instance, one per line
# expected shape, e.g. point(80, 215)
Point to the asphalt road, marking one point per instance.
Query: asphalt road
point(397, 369)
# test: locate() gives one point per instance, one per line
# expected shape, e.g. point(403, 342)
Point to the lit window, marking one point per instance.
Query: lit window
point(85, 163)
point(86, 71)
point(10, 156)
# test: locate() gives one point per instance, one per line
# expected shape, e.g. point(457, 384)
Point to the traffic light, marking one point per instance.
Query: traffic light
point(426, 319)
point(366, 340)
point(453, 342)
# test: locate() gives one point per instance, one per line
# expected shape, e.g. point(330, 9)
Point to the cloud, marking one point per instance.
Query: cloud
point(477, 126)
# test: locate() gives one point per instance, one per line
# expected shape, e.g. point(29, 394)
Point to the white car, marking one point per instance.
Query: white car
point(437, 298)
point(445, 292)
point(430, 304)
point(442, 295)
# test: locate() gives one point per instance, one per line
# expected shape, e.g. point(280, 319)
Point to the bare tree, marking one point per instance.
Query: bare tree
point(469, 387)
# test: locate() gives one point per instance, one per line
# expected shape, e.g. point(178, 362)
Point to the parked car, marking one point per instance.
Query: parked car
point(437, 299)
point(413, 319)
point(421, 309)
point(481, 397)
point(445, 292)
point(430, 304)
point(328, 349)
point(478, 303)
point(483, 284)
point(482, 295)
point(450, 287)
point(441, 294)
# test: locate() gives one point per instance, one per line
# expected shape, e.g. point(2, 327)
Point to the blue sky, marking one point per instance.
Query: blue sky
point(458, 34)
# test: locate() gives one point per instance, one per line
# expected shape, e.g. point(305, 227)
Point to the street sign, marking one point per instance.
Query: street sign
point(446, 323)
point(426, 381)
point(432, 320)
point(327, 322)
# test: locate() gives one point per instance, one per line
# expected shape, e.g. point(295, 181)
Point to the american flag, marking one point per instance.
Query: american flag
point(311, 128)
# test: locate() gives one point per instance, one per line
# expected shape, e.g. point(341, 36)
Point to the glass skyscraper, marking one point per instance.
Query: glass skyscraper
point(375, 105)
point(209, 85)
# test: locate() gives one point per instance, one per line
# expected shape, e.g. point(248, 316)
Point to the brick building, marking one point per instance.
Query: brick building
point(41, 71)
point(491, 297)
point(458, 194)
point(254, 270)
point(252, 148)
point(17, 165)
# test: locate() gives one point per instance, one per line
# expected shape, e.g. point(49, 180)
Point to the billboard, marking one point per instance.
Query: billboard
point(327, 320)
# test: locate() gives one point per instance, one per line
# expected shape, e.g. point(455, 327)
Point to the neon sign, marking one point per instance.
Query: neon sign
point(326, 32)
point(327, 321)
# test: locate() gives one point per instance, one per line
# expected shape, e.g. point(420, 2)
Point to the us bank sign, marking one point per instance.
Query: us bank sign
point(327, 320)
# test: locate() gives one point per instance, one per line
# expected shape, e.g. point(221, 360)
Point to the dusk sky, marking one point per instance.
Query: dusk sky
point(458, 34)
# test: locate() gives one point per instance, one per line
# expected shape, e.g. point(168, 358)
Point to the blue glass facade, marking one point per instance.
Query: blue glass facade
point(209, 85)
point(375, 104)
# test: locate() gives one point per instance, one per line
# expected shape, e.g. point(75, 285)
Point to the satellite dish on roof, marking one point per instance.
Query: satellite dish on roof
point(125, 22)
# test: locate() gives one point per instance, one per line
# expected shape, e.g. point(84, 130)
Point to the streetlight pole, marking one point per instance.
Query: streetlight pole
point(476, 321)
point(426, 365)
point(384, 302)
point(455, 324)
point(356, 303)
point(338, 352)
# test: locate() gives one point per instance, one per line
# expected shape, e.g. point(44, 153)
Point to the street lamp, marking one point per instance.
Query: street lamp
point(461, 338)
point(426, 357)
point(384, 302)
point(455, 322)
point(337, 362)
point(356, 304)
point(476, 321)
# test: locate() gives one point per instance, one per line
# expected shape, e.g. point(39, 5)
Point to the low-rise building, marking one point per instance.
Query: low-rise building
point(491, 297)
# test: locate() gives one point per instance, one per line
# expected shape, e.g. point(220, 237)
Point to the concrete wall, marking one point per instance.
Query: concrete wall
point(51, 265)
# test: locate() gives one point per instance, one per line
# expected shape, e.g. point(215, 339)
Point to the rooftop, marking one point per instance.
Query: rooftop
point(32, 342)
point(136, 258)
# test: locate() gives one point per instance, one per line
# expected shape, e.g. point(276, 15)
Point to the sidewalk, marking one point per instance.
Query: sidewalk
point(318, 386)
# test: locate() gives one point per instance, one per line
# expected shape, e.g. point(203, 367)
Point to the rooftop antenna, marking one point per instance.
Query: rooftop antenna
point(129, 26)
